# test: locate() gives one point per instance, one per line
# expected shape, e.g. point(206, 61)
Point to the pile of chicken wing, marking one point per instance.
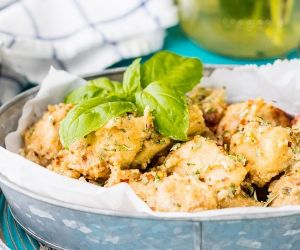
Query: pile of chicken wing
point(237, 155)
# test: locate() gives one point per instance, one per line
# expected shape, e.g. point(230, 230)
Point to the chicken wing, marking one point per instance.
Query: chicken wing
point(239, 114)
point(286, 190)
point(174, 193)
point(211, 101)
point(41, 141)
point(201, 157)
point(267, 150)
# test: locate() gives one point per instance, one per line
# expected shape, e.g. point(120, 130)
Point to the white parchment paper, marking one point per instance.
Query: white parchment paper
point(278, 83)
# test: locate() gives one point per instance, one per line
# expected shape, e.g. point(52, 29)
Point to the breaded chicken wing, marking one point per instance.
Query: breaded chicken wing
point(239, 114)
point(267, 150)
point(124, 142)
point(41, 141)
point(201, 157)
point(239, 201)
point(197, 124)
point(174, 193)
point(118, 175)
point(211, 101)
point(115, 145)
point(286, 190)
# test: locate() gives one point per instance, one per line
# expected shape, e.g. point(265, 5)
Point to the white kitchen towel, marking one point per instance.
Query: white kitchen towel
point(79, 36)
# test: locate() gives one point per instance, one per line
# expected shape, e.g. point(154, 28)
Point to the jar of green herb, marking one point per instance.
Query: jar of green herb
point(243, 28)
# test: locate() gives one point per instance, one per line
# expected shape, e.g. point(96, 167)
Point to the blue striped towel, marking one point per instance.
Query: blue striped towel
point(80, 36)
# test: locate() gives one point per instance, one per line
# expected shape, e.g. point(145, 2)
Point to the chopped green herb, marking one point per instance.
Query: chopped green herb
point(123, 147)
point(197, 172)
point(178, 205)
point(296, 150)
point(157, 177)
point(262, 121)
point(240, 158)
point(232, 189)
point(161, 141)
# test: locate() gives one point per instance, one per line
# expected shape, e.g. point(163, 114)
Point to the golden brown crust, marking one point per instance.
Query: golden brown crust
point(286, 190)
point(239, 200)
point(202, 173)
point(211, 101)
point(267, 150)
point(117, 144)
point(239, 114)
point(41, 140)
point(209, 162)
point(174, 193)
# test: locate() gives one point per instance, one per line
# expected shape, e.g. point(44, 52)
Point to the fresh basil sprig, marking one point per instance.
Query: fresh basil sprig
point(159, 84)
point(90, 115)
point(169, 109)
point(178, 72)
point(132, 78)
point(100, 87)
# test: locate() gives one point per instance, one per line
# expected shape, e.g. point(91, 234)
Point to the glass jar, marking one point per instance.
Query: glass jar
point(243, 28)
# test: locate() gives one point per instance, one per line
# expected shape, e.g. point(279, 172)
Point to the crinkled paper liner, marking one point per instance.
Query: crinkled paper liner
point(278, 83)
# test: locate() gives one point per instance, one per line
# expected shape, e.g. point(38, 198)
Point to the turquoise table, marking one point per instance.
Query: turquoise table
point(176, 41)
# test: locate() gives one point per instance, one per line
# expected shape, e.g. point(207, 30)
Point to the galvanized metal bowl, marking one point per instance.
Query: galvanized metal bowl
point(66, 226)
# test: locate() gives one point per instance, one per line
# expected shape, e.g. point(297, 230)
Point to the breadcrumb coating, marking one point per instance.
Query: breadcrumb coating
point(251, 142)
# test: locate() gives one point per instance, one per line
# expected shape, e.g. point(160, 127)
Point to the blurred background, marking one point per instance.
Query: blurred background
point(243, 29)
point(87, 36)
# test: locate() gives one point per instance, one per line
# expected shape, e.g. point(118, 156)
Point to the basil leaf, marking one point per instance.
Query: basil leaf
point(170, 111)
point(89, 116)
point(181, 73)
point(100, 87)
point(132, 77)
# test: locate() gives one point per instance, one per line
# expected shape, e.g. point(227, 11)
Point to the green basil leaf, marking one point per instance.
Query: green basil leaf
point(132, 77)
point(100, 87)
point(181, 73)
point(170, 111)
point(89, 116)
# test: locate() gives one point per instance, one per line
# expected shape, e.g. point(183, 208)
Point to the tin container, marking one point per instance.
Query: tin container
point(65, 226)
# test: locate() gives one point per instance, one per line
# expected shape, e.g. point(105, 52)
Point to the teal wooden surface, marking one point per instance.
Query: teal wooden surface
point(14, 236)
point(177, 42)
